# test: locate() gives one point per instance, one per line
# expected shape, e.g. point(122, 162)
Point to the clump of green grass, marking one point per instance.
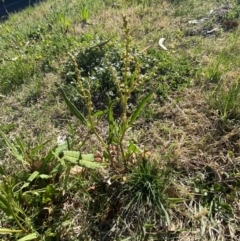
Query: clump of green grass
point(133, 202)
point(224, 99)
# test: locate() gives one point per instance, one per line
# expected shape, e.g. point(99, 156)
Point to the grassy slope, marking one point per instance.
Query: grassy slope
point(194, 129)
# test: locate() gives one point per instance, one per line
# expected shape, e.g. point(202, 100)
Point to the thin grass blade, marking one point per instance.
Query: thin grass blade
point(13, 149)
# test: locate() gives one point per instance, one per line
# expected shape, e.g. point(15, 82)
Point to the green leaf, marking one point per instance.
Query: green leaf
point(4, 199)
point(5, 209)
point(7, 231)
point(4, 205)
point(100, 113)
point(86, 160)
point(126, 239)
point(12, 147)
point(87, 157)
point(166, 214)
point(176, 200)
point(49, 193)
point(133, 148)
point(89, 164)
point(73, 109)
point(26, 184)
point(72, 156)
point(226, 206)
point(20, 144)
point(35, 150)
point(33, 176)
point(30, 236)
point(30, 179)
point(136, 113)
point(44, 176)
point(2, 172)
point(61, 148)
point(148, 225)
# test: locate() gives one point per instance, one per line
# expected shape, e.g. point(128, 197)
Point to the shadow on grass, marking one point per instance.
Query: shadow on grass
point(11, 6)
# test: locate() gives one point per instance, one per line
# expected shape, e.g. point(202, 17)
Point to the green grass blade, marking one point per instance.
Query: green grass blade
point(30, 236)
point(4, 202)
point(20, 144)
point(136, 113)
point(35, 149)
point(13, 149)
point(73, 109)
point(166, 214)
point(176, 200)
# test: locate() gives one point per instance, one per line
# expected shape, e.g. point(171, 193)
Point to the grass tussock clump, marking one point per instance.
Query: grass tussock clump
point(106, 133)
point(135, 202)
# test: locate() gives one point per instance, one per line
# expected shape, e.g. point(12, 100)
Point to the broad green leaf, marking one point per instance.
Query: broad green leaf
point(133, 148)
point(73, 109)
point(87, 157)
point(136, 113)
point(30, 236)
point(61, 148)
point(86, 160)
point(90, 164)
point(7, 231)
point(100, 113)
point(72, 156)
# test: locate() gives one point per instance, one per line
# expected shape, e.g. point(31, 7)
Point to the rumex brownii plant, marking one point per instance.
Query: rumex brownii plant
point(125, 84)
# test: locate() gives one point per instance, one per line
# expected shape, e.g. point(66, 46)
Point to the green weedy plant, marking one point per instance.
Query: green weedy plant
point(64, 22)
point(84, 14)
point(10, 206)
point(32, 186)
point(212, 194)
point(213, 72)
point(125, 85)
point(28, 157)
